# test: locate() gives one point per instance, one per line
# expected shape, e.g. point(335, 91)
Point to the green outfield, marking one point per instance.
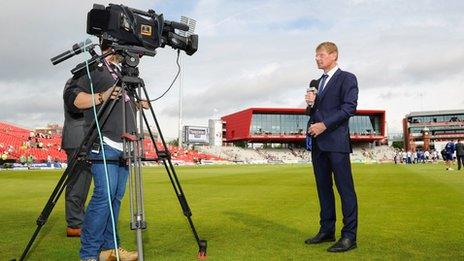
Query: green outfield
point(257, 212)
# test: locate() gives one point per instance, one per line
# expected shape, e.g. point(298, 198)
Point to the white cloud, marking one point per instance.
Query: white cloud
point(252, 53)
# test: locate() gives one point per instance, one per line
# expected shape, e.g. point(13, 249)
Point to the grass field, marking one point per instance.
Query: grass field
point(257, 212)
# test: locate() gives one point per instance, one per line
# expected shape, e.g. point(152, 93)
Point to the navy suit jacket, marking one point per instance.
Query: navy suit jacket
point(334, 106)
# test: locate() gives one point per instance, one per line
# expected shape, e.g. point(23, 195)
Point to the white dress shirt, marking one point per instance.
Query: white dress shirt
point(330, 74)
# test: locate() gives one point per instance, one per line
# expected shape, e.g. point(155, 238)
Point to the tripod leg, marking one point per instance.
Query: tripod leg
point(140, 216)
point(136, 193)
point(43, 217)
point(84, 147)
point(132, 154)
point(138, 153)
point(202, 244)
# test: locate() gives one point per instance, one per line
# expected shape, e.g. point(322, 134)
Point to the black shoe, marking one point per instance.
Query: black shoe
point(321, 237)
point(343, 245)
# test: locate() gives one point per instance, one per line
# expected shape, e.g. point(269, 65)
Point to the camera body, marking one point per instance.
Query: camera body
point(127, 26)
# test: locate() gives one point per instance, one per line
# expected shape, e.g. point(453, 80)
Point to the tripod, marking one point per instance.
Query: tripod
point(133, 154)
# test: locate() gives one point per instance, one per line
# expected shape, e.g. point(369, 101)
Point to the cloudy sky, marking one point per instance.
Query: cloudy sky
point(407, 55)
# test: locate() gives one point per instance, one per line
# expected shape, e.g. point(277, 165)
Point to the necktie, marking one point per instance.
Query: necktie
point(322, 85)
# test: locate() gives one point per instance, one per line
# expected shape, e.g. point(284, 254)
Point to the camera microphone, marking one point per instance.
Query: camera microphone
point(177, 25)
point(313, 86)
point(76, 49)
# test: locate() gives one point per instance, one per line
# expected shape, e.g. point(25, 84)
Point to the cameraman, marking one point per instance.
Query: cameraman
point(97, 239)
point(78, 187)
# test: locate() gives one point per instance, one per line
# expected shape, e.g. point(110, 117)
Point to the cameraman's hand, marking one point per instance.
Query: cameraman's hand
point(144, 104)
point(112, 93)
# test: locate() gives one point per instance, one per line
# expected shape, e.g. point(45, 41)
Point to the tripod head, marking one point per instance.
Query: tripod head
point(131, 58)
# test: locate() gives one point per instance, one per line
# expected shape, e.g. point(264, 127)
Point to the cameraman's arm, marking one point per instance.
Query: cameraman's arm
point(83, 100)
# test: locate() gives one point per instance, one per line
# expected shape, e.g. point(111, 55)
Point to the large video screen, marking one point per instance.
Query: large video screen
point(196, 134)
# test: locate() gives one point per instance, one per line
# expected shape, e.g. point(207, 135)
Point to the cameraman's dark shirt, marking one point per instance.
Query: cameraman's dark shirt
point(102, 80)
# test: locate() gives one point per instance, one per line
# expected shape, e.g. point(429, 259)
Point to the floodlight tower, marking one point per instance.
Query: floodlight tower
point(191, 23)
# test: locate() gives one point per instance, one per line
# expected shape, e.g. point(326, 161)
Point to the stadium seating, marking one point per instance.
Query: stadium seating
point(235, 154)
point(375, 154)
point(280, 155)
point(293, 155)
point(15, 142)
point(248, 155)
point(178, 154)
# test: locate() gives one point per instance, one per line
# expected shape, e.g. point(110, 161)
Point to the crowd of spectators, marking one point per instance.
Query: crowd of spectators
point(26, 147)
point(414, 157)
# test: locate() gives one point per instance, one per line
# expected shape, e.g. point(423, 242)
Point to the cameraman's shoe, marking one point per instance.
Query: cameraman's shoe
point(73, 232)
point(124, 255)
point(107, 255)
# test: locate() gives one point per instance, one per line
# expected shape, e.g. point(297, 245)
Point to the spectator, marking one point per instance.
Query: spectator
point(460, 153)
point(426, 155)
point(30, 159)
point(448, 157)
point(435, 156)
point(22, 159)
point(443, 154)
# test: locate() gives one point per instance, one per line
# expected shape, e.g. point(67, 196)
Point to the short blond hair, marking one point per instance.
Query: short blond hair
point(329, 47)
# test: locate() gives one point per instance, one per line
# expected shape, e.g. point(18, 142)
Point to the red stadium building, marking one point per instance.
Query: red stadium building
point(288, 125)
point(425, 128)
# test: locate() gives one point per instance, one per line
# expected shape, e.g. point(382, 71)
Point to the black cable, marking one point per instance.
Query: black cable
point(174, 80)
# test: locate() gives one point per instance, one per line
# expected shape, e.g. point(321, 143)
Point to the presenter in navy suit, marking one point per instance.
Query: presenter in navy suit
point(330, 110)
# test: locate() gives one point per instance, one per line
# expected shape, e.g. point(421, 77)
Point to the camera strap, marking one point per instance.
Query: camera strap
point(113, 68)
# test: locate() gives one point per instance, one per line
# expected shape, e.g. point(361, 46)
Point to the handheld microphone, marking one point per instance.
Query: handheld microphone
point(76, 49)
point(313, 86)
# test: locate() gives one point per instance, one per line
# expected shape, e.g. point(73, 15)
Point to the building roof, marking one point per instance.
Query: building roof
point(268, 110)
point(434, 113)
